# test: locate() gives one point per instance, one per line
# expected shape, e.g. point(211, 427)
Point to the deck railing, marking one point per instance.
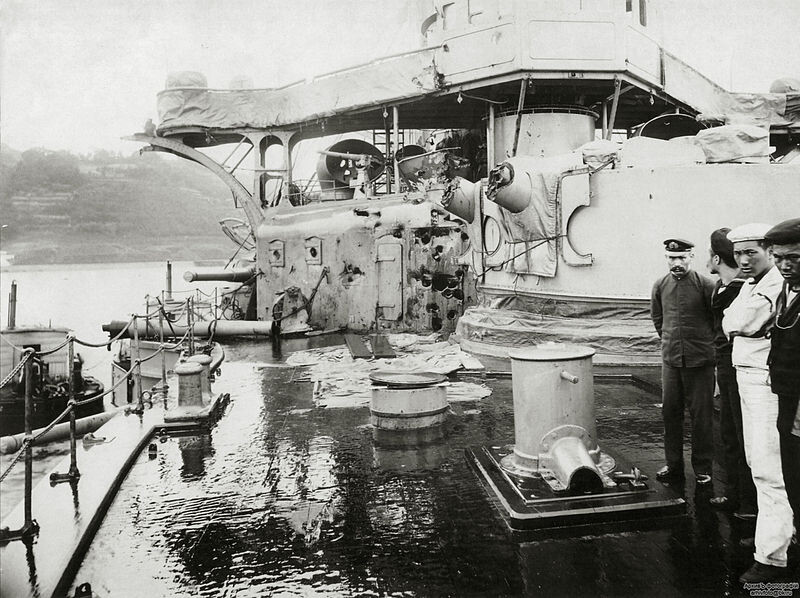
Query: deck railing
point(30, 527)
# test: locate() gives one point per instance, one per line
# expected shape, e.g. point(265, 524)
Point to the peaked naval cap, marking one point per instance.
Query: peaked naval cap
point(678, 246)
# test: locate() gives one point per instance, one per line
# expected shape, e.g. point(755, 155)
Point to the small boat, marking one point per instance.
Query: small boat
point(50, 375)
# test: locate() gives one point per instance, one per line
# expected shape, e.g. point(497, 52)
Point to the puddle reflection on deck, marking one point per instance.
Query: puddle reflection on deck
point(286, 499)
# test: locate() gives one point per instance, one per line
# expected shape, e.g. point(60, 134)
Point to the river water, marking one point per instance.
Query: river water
point(81, 297)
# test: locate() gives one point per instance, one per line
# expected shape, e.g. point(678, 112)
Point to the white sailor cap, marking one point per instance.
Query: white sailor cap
point(755, 231)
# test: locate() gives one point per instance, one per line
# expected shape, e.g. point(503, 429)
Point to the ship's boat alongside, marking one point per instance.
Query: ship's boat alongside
point(50, 373)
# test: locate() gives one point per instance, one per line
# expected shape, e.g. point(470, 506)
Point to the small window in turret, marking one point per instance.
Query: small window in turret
point(643, 13)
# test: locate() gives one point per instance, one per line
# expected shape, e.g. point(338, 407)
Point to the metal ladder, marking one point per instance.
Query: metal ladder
point(382, 139)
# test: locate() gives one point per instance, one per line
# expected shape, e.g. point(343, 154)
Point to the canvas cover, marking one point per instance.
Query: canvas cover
point(780, 107)
point(647, 152)
point(186, 102)
point(534, 229)
point(513, 328)
point(735, 143)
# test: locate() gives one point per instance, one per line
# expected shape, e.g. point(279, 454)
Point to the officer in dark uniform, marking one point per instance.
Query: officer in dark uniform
point(784, 355)
point(680, 307)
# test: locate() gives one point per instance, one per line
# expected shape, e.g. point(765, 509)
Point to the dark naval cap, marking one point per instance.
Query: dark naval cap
point(720, 243)
point(785, 233)
point(677, 245)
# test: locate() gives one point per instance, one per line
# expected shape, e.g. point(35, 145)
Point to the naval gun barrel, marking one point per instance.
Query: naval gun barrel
point(220, 275)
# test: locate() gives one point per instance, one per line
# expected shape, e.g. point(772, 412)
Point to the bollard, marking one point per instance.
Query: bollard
point(190, 385)
point(205, 379)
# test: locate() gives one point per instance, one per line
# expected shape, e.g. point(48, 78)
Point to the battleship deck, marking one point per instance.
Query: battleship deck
point(283, 497)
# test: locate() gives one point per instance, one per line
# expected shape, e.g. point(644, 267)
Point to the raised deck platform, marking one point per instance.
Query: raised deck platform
point(530, 503)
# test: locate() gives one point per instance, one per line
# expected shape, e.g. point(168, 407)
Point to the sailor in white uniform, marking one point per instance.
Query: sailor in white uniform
point(747, 320)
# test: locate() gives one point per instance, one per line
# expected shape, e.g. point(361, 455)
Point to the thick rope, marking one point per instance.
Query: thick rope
point(14, 461)
point(52, 424)
point(109, 342)
point(26, 355)
point(48, 352)
point(56, 349)
point(174, 346)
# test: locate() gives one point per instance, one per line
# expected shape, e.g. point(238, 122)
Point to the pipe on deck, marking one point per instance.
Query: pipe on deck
point(84, 425)
point(205, 329)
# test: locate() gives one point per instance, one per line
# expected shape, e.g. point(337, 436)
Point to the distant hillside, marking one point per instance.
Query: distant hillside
point(63, 208)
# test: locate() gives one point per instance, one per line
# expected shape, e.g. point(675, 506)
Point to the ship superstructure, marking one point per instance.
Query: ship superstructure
point(566, 249)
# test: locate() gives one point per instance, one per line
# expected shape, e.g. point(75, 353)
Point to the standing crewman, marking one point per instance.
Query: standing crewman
point(680, 306)
point(784, 356)
point(740, 493)
point(747, 320)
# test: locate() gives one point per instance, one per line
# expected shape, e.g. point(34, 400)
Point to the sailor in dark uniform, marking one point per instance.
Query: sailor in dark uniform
point(784, 355)
point(681, 310)
point(740, 492)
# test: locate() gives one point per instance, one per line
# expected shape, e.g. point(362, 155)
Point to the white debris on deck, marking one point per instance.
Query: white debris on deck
point(341, 381)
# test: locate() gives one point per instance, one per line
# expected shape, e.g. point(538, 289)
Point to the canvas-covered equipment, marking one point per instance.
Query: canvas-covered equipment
point(187, 100)
point(735, 143)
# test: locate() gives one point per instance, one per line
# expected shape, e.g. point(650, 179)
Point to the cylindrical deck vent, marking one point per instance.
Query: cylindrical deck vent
point(407, 400)
point(544, 131)
point(553, 388)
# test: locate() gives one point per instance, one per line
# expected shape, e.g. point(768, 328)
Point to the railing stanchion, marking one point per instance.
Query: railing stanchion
point(73, 459)
point(163, 353)
point(29, 527)
point(169, 280)
point(73, 475)
point(190, 323)
point(73, 456)
point(29, 444)
point(137, 373)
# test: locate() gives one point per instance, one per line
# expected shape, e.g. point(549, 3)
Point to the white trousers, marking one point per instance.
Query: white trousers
point(762, 450)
